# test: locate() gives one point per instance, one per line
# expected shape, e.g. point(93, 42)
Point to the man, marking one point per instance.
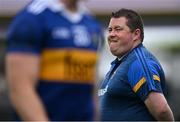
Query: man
point(51, 61)
point(134, 87)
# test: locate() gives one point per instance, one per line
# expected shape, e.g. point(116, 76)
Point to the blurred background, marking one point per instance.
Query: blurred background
point(162, 37)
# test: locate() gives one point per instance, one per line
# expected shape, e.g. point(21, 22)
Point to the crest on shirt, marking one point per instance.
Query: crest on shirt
point(81, 36)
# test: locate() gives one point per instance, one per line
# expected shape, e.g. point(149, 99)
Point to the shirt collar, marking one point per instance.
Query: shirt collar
point(125, 55)
point(57, 6)
point(118, 60)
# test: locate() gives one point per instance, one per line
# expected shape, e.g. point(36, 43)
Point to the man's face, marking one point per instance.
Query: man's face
point(120, 37)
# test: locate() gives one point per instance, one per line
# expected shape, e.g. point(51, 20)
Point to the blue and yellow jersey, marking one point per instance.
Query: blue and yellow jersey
point(67, 45)
point(128, 84)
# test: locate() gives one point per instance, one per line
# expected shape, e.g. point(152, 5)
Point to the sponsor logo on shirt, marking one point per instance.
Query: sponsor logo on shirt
point(69, 66)
point(61, 33)
point(79, 35)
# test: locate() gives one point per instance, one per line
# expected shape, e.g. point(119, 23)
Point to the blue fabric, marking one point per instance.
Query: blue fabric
point(67, 101)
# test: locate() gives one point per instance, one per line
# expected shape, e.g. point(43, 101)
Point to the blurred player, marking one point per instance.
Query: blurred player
point(51, 61)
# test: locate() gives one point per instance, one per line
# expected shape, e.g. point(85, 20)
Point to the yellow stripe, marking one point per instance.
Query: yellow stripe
point(70, 65)
point(142, 81)
point(139, 84)
point(155, 77)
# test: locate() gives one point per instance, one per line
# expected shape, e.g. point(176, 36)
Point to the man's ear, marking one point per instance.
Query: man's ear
point(137, 34)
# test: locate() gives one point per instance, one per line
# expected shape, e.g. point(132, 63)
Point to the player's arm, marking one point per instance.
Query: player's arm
point(150, 90)
point(156, 101)
point(23, 64)
point(158, 107)
point(22, 76)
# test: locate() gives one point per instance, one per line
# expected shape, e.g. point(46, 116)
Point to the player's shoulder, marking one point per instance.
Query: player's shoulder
point(142, 59)
point(33, 9)
point(31, 13)
point(37, 7)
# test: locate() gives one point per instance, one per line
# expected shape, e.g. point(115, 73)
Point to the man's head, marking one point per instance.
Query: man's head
point(125, 31)
point(134, 20)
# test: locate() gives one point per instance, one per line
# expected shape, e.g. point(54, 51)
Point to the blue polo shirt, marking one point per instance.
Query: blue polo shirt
point(127, 85)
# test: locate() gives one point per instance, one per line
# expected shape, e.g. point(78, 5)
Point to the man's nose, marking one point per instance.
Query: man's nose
point(112, 34)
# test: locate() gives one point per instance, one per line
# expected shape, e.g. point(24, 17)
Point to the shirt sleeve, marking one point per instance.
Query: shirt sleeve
point(24, 34)
point(144, 79)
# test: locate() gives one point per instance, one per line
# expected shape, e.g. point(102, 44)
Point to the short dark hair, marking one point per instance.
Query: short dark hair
point(134, 19)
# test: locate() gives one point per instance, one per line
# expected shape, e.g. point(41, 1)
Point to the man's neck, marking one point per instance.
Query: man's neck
point(71, 5)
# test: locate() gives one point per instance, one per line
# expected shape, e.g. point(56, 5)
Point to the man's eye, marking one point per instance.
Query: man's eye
point(118, 29)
